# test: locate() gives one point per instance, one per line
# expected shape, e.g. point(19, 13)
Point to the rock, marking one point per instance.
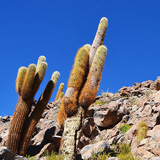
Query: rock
point(109, 115)
point(89, 128)
point(49, 148)
point(112, 158)
point(155, 158)
point(88, 150)
point(5, 154)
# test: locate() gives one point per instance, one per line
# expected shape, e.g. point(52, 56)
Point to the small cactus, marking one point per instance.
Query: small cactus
point(60, 90)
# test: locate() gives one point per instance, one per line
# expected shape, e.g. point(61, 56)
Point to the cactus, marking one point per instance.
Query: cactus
point(27, 84)
point(90, 89)
point(76, 81)
point(60, 89)
point(37, 113)
point(61, 95)
point(99, 38)
point(22, 109)
point(20, 78)
point(82, 89)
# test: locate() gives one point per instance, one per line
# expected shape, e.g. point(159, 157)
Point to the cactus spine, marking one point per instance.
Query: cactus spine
point(60, 90)
point(37, 113)
point(27, 84)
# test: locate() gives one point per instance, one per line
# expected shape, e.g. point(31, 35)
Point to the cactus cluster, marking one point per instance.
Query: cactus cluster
point(24, 120)
point(85, 76)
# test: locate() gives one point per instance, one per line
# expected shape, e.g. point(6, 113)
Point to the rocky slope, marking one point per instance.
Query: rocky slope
point(104, 126)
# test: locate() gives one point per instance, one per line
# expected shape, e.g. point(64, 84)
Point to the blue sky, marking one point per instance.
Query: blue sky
point(57, 29)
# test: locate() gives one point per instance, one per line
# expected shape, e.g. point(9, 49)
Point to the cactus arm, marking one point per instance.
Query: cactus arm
point(37, 113)
point(60, 89)
point(28, 82)
point(40, 72)
point(76, 81)
point(99, 38)
point(91, 86)
point(61, 115)
point(61, 95)
point(20, 79)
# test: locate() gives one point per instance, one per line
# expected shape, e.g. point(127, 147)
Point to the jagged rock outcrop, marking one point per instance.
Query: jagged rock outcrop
point(103, 123)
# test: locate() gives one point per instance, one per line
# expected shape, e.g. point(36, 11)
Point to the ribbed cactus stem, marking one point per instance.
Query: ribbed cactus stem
point(91, 86)
point(99, 38)
point(61, 95)
point(55, 77)
point(37, 113)
point(40, 72)
point(40, 60)
point(28, 82)
point(20, 79)
point(60, 89)
point(20, 114)
point(76, 81)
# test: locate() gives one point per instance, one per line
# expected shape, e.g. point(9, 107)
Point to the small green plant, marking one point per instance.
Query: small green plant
point(124, 96)
point(124, 128)
point(53, 156)
point(124, 152)
point(149, 92)
point(100, 102)
point(142, 131)
point(100, 156)
point(132, 101)
point(30, 158)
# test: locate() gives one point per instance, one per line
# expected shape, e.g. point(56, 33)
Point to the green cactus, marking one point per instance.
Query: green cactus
point(61, 95)
point(91, 87)
point(76, 81)
point(27, 84)
point(60, 89)
point(37, 113)
point(20, 79)
point(99, 38)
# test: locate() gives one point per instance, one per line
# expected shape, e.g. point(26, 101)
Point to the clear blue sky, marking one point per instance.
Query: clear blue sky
point(57, 29)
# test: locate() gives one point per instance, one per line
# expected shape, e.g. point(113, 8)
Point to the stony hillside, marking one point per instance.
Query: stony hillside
point(131, 116)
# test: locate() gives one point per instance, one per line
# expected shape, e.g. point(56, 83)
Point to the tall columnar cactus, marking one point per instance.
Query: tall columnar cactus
point(60, 90)
point(37, 113)
point(81, 92)
point(27, 83)
point(75, 84)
